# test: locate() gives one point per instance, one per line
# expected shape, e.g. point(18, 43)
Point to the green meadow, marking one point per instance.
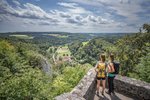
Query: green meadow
point(57, 35)
point(63, 50)
point(22, 36)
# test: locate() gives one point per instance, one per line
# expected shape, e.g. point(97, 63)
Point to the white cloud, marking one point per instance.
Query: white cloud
point(33, 11)
point(72, 16)
point(124, 12)
point(74, 8)
point(64, 15)
point(27, 11)
point(126, 8)
point(69, 5)
point(16, 2)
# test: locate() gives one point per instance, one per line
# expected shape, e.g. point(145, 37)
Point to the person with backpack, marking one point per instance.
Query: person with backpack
point(100, 69)
point(113, 69)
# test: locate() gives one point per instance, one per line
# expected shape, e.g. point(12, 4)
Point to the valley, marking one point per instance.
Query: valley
point(53, 63)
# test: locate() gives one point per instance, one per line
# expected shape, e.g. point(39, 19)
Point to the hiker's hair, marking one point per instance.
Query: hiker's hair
point(102, 57)
point(111, 57)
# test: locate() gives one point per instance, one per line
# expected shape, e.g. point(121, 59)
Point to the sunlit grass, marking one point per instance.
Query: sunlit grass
point(84, 43)
point(22, 36)
point(57, 35)
point(63, 50)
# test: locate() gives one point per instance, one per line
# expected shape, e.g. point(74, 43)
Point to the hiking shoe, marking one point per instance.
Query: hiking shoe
point(102, 92)
point(97, 93)
point(108, 92)
point(113, 92)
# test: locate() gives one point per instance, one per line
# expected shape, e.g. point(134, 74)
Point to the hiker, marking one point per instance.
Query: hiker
point(100, 69)
point(111, 74)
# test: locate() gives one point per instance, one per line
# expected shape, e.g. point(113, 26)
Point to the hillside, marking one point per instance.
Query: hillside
point(41, 66)
point(132, 51)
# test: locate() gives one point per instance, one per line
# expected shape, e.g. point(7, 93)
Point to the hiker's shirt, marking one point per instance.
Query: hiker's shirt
point(101, 69)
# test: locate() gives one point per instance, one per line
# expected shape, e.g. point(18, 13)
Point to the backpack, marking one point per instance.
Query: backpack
point(101, 70)
point(116, 68)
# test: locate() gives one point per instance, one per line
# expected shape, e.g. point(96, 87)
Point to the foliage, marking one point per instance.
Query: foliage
point(21, 76)
point(18, 79)
point(130, 50)
point(146, 27)
point(31, 84)
point(68, 79)
point(142, 70)
point(91, 51)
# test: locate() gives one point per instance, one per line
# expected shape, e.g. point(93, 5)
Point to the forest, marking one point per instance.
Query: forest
point(31, 68)
point(132, 51)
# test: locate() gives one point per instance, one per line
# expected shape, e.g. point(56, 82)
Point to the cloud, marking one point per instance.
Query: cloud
point(71, 13)
point(72, 21)
point(16, 2)
point(46, 23)
point(28, 10)
point(122, 12)
point(64, 15)
point(75, 15)
point(68, 5)
point(74, 8)
point(126, 8)
point(98, 20)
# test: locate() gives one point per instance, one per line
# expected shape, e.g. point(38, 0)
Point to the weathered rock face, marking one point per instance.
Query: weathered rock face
point(44, 65)
point(86, 88)
point(132, 87)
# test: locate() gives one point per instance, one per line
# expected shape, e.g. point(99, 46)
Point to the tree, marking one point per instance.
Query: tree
point(143, 70)
point(32, 84)
point(146, 27)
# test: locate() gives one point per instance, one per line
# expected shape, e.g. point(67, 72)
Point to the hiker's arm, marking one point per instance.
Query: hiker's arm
point(112, 67)
point(108, 68)
point(95, 68)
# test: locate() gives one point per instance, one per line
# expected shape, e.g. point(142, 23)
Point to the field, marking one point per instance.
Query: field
point(22, 36)
point(84, 43)
point(63, 51)
point(57, 35)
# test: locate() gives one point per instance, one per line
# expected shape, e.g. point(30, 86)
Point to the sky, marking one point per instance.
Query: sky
point(96, 16)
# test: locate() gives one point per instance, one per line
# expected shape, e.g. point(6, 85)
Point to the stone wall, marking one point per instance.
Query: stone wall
point(132, 87)
point(86, 88)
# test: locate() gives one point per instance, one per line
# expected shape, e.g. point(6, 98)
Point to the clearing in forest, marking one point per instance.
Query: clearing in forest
point(63, 51)
point(57, 35)
point(22, 36)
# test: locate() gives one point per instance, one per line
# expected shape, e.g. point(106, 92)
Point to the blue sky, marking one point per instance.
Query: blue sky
point(96, 16)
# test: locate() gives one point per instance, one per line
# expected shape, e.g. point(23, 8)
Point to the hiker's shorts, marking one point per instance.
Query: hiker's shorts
point(101, 78)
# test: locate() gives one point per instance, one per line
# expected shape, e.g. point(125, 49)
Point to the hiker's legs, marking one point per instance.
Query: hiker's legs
point(98, 85)
point(109, 84)
point(113, 84)
point(103, 85)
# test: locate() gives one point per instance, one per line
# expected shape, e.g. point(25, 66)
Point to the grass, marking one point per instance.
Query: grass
point(84, 43)
point(63, 50)
point(22, 36)
point(57, 35)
